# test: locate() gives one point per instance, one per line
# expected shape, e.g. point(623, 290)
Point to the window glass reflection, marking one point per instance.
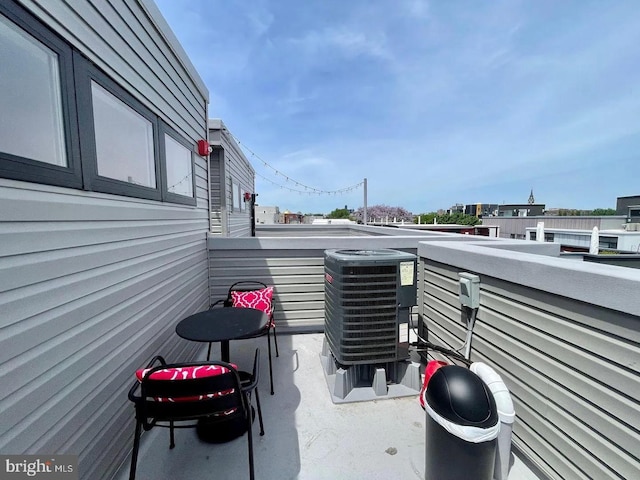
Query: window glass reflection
point(124, 140)
point(179, 167)
point(31, 119)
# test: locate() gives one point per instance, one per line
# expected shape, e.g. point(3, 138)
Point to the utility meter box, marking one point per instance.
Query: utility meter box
point(469, 290)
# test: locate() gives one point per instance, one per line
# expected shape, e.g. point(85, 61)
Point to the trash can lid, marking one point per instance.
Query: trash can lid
point(461, 397)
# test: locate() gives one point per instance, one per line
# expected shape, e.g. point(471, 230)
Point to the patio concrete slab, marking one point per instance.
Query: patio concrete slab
point(308, 437)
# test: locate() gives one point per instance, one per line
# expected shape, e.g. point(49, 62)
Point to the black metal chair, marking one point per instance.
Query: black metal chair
point(253, 294)
point(217, 394)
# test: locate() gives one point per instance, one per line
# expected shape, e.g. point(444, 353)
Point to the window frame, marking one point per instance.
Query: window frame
point(608, 241)
point(22, 168)
point(235, 195)
point(165, 129)
point(86, 72)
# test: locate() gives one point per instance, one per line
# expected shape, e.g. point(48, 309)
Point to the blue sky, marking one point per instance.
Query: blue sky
point(434, 102)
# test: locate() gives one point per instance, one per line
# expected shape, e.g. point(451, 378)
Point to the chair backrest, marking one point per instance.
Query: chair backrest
point(263, 301)
point(190, 398)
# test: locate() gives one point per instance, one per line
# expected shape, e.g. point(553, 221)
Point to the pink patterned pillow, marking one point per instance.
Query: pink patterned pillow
point(258, 299)
point(184, 373)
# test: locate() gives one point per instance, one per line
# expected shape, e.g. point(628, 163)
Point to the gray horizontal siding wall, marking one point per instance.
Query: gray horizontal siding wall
point(217, 211)
point(92, 285)
point(238, 170)
point(230, 214)
point(569, 353)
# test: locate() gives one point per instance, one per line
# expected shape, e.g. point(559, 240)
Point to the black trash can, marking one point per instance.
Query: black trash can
point(462, 426)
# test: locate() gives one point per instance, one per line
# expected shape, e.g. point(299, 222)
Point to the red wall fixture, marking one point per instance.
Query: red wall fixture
point(204, 148)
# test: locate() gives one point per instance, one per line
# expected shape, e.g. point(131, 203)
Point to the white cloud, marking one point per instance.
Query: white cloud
point(347, 41)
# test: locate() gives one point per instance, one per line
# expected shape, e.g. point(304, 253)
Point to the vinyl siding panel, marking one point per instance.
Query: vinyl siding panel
point(92, 285)
point(238, 171)
point(230, 215)
point(216, 174)
point(572, 369)
point(298, 282)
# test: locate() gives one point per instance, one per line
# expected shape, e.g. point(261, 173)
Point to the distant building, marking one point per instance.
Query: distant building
point(516, 227)
point(531, 208)
point(457, 208)
point(629, 206)
point(573, 240)
point(291, 218)
point(267, 215)
point(521, 210)
point(481, 209)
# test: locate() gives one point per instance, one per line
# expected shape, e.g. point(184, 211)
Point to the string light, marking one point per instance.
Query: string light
point(188, 175)
point(312, 191)
point(307, 189)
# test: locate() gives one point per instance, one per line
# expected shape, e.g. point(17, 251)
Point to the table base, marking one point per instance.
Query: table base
point(223, 430)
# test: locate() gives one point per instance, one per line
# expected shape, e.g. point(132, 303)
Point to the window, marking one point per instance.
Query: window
point(608, 242)
point(178, 171)
point(65, 122)
point(38, 140)
point(124, 140)
point(235, 196)
point(118, 137)
point(32, 99)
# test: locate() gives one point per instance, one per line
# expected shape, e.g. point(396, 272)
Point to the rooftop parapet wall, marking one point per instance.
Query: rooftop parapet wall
point(603, 285)
point(294, 264)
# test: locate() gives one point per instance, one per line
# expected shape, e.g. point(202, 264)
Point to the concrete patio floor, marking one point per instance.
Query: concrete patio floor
point(307, 437)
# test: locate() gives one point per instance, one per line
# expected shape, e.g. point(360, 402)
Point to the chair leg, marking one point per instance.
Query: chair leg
point(136, 448)
point(270, 368)
point(250, 442)
point(172, 440)
point(275, 340)
point(259, 412)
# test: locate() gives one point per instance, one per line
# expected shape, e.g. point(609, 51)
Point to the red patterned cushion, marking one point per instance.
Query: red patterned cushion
point(184, 373)
point(258, 299)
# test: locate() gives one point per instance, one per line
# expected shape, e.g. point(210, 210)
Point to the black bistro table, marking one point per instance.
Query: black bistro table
point(222, 325)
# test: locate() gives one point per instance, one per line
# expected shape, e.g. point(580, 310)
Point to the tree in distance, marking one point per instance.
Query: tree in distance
point(455, 218)
point(340, 213)
point(384, 213)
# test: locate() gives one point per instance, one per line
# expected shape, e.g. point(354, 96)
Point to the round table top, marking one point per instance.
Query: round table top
point(220, 324)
